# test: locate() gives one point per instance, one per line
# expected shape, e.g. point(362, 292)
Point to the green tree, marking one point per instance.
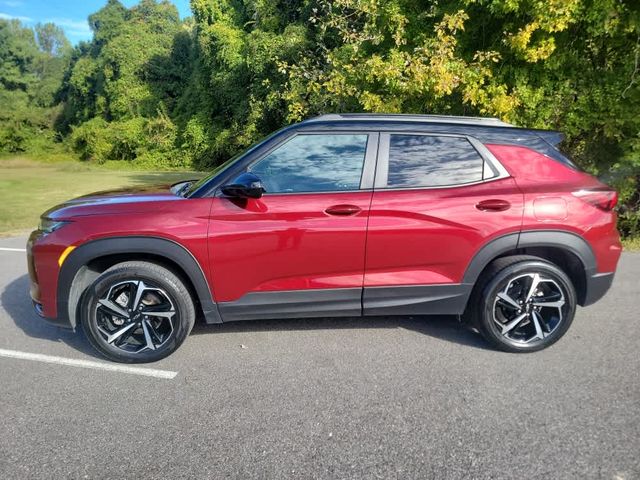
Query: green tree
point(51, 39)
point(31, 71)
point(18, 52)
point(122, 77)
point(107, 22)
point(239, 47)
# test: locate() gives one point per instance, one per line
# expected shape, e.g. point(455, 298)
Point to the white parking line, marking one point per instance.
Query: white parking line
point(112, 367)
point(7, 249)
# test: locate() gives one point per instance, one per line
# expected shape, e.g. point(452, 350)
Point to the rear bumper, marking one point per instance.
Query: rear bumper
point(597, 286)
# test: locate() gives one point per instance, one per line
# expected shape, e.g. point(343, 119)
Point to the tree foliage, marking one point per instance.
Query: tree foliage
point(154, 89)
point(32, 66)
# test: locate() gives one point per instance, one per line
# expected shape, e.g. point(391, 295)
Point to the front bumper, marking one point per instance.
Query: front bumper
point(34, 286)
point(42, 268)
point(53, 321)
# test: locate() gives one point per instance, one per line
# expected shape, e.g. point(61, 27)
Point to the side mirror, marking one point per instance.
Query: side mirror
point(246, 185)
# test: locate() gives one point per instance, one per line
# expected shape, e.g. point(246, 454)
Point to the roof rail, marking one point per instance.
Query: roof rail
point(398, 117)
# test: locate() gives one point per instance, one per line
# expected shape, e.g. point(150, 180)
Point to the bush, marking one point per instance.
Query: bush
point(12, 138)
point(128, 139)
point(195, 141)
point(23, 126)
point(629, 219)
point(92, 140)
point(147, 143)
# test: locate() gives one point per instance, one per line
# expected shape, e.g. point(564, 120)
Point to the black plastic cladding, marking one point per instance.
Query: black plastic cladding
point(161, 247)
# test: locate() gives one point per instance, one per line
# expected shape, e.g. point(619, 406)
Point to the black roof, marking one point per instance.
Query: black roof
point(398, 117)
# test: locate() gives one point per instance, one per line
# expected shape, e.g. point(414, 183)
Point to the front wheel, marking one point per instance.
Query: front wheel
point(525, 304)
point(137, 312)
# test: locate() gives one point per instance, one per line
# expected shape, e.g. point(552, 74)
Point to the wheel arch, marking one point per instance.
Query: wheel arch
point(565, 249)
point(85, 263)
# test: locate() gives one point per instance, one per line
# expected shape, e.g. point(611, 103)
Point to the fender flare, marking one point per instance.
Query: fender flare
point(160, 247)
point(561, 239)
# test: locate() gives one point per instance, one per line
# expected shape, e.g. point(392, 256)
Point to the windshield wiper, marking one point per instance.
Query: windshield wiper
point(180, 188)
point(184, 188)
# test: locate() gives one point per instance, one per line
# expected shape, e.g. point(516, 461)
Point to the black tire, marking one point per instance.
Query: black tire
point(146, 327)
point(493, 315)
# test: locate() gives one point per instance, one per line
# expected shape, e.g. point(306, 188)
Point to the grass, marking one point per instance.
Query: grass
point(29, 187)
point(631, 244)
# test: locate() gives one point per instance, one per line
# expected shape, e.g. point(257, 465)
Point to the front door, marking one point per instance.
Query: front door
point(298, 251)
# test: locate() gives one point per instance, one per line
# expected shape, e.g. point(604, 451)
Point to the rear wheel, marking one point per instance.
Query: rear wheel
point(137, 312)
point(524, 304)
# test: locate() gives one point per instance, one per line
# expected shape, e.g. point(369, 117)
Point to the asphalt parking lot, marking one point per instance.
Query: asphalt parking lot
point(389, 397)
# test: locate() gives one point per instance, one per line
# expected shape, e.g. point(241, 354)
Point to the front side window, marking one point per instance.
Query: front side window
point(314, 163)
point(432, 161)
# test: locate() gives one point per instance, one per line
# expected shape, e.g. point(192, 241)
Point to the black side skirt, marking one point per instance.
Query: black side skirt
point(445, 299)
point(349, 302)
point(338, 302)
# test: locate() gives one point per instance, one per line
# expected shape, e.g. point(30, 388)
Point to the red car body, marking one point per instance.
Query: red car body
point(371, 251)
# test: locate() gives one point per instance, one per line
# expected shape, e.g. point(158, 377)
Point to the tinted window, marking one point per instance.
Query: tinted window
point(314, 163)
point(430, 161)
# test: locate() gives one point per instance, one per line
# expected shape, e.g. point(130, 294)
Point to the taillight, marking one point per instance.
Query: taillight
point(602, 198)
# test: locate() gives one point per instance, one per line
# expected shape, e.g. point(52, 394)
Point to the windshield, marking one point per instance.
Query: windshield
point(196, 186)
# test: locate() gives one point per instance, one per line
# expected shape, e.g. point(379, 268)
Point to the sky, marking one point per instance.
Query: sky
point(69, 14)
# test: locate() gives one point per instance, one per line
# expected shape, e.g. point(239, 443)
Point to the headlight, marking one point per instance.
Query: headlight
point(48, 225)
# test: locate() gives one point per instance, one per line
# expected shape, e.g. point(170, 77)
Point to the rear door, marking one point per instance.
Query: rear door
point(300, 249)
point(437, 200)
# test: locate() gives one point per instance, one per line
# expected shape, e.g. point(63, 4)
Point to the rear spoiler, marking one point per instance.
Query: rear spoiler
point(549, 136)
point(548, 144)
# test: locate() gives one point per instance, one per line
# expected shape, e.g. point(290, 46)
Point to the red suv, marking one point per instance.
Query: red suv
point(340, 215)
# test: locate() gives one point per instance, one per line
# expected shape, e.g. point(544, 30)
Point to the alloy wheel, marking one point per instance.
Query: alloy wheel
point(529, 308)
point(135, 316)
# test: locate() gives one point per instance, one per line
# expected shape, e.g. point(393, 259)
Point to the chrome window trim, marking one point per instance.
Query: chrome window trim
point(370, 157)
point(334, 192)
point(382, 170)
point(489, 157)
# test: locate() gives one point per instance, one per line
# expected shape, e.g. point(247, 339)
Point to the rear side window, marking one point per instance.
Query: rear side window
point(432, 161)
point(314, 163)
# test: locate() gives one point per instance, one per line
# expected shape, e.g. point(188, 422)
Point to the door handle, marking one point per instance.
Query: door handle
point(493, 205)
point(343, 210)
